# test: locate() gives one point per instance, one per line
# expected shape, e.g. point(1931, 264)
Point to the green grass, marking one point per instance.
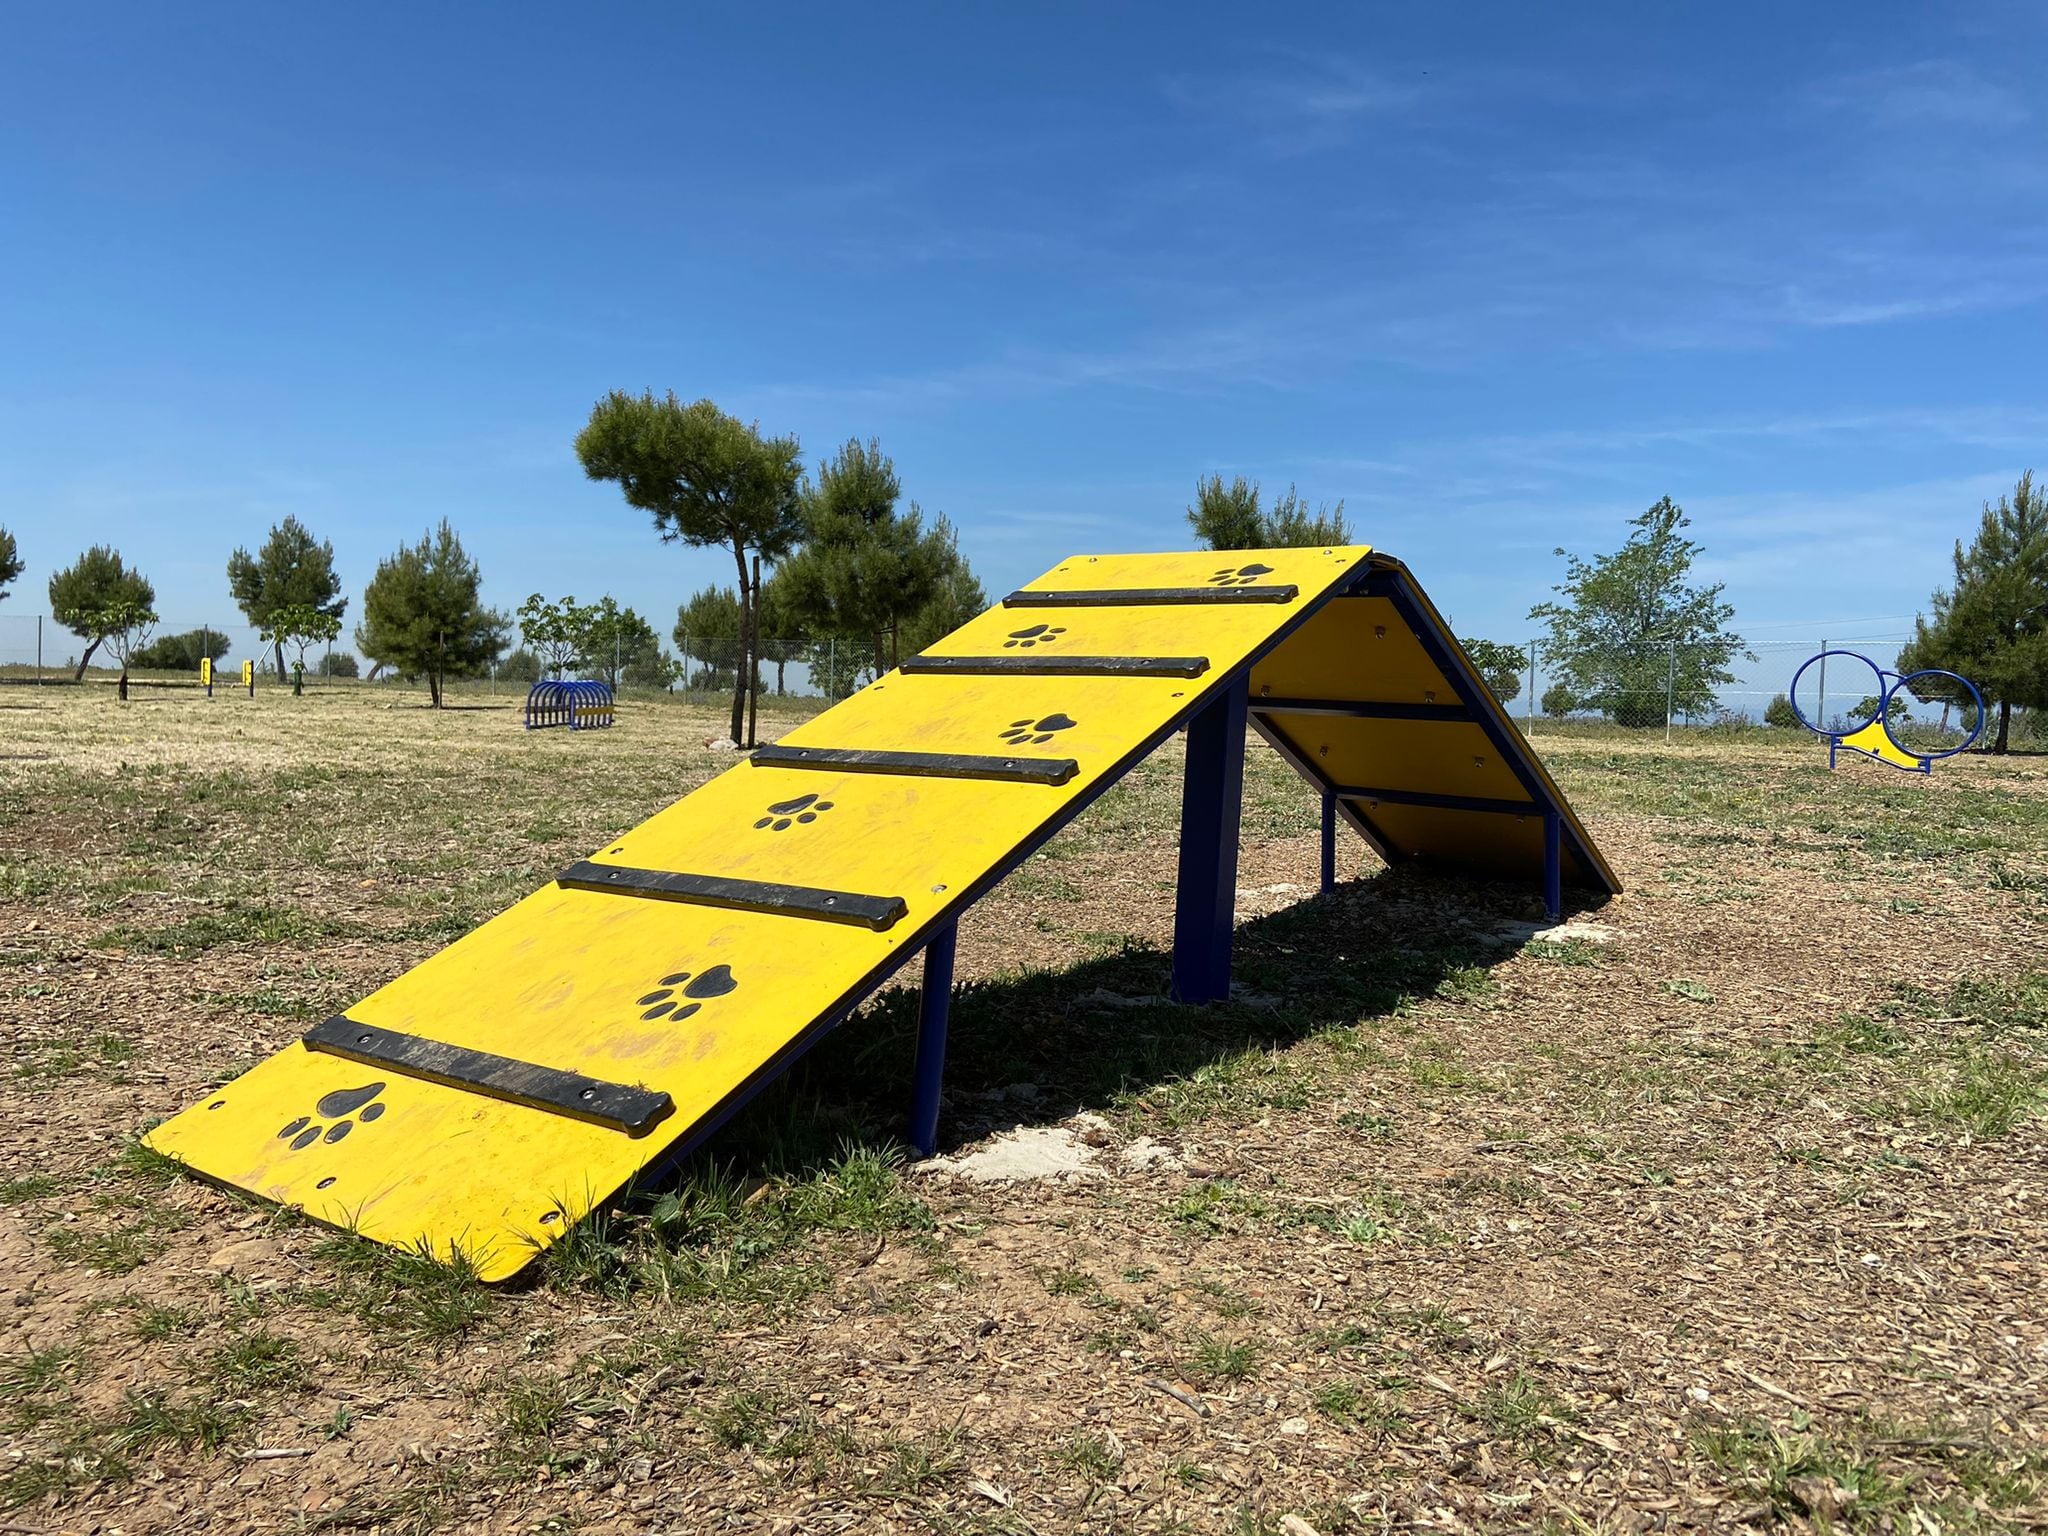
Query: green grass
point(1858, 1474)
point(1212, 1358)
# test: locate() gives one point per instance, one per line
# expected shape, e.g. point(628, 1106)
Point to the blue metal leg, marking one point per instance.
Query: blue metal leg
point(934, 1008)
point(1329, 844)
point(1212, 796)
point(1553, 865)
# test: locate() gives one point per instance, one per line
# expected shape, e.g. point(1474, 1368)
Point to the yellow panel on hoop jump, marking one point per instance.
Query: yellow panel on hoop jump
point(492, 1095)
point(1874, 741)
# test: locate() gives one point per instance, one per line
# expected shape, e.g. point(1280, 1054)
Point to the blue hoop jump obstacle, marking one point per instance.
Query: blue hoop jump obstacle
point(1874, 738)
point(579, 706)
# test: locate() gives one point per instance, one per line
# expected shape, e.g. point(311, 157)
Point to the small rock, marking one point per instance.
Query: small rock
point(245, 1254)
point(1294, 1426)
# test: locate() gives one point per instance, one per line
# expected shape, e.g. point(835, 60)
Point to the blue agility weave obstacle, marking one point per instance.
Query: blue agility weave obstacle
point(579, 706)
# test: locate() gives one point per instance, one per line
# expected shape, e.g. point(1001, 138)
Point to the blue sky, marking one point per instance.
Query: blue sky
point(1496, 275)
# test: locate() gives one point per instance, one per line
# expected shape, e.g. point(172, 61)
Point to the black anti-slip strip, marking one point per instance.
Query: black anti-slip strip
point(1441, 802)
point(1151, 597)
point(1060, 666)
point(617, 1106)
point(1450, 713)
point(924, 765)
point(876, 912)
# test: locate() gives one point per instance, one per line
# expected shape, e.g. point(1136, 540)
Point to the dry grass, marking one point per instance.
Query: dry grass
point(1737, 1218)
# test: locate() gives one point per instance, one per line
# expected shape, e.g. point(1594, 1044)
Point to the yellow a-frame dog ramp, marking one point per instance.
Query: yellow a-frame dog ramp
point(488, 1098)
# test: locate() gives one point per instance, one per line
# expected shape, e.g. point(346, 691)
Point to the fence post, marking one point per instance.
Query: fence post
point(1820, 717)
point(39, 650)
point(1670, 692)
point(1532, 685)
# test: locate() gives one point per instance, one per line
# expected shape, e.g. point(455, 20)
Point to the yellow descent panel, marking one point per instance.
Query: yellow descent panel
point(489, 1097)
point(1373, 698)
point(1874, 741)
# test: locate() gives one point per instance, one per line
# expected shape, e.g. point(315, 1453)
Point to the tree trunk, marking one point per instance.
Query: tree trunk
point(279, 644)
point(124, 682)
point(881, 656)
point(2004, 726)
point(84, 661)
point(739, 687)
point(754, 660)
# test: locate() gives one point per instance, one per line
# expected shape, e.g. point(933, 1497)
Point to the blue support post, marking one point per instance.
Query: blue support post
point(1553, 865)
point(1212, 797)
point(1329, 843)
point(934, 1009)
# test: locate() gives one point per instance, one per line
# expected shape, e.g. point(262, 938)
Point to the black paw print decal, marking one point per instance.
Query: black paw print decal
point(785, 814)
point(1036, 634)
point(1240, 575)
point(661, 1002)
point(1036, 733)
point(336, 1107)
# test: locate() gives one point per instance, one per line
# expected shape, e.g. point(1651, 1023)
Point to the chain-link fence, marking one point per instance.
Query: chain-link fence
point(34, 648)
point(1658, 682)
point(1648, 684)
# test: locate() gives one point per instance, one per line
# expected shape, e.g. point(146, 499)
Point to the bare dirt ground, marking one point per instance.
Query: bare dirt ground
point(1726, 1207)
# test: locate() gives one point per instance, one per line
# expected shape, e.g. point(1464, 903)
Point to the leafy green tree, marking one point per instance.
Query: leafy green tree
point(522, 666)
point(552, 633)
point(780, 632)
point(1630, 630)
point(1991, 626)
point(181, 652)
point(709, 479)
point(300, 625)
point(1500, 665)
point(124, 625)
point(1291, 525)
point(1780, 712)
point(92, 589)
point(865, 570)
point(615, 639)
point(707, 632)
point(292, 569)
point(423, 613)
point(10, 561)
point(956, 597)
point(1229, 517)
point(1558, 701)
point(651, 669)
point(340, 664)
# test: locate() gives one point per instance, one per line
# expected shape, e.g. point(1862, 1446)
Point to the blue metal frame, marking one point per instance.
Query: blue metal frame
point(934, 1013)
point(1553, 863)
point(581, 706)
point(1889, 684)
point(1212, 801)
point(1329, 871)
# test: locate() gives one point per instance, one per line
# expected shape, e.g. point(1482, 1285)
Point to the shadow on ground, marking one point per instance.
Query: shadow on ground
point(1098, 1035)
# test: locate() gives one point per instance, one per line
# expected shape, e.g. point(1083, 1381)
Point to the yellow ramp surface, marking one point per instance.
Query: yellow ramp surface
point(488, 1098)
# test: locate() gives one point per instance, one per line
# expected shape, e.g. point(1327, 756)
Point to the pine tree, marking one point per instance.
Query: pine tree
point(865, 570)
point(1992, 625)
point(95, 591)
point(423, 613)
point(709, 479)
point(10, 561)
point(292, 570)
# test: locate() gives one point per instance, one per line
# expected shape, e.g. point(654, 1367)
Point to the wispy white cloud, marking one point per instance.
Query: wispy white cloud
point(1927, 92)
